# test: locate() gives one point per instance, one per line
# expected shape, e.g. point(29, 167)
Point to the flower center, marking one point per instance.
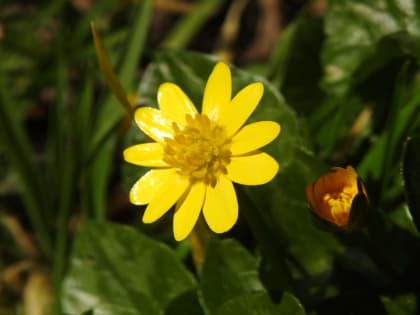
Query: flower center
point(340, 204)
point(200, 150)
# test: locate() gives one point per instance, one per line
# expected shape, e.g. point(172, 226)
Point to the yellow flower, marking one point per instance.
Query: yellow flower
point(196, 157)
point(331, 196)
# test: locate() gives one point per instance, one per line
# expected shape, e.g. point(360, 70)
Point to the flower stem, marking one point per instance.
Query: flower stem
point(198, 241)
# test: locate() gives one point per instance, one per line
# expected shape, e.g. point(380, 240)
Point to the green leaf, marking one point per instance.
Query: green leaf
point(402, 218)
point(411, 176)
point(355, 30)
point(285, 212)
point(228, 271)
point(403, 115)
point(280, 58)
point(381, 164)
point(296, 70)
point(290, 305)
point(299, 68)
point(117, 270)
point(339, 113)
point(260, 303)
point(249, 304)
point(372, 163)
point(185, 304)
point(401, 305)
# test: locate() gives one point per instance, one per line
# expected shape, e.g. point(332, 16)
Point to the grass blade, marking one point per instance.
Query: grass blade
point(17, 150)
point(110, 114)
point(188, 26)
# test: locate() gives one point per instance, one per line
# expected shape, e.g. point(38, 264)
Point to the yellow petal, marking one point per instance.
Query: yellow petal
point(171, 190)
point(255, 169)
point(254, 136)
point(153, 123)
point(174, 103)
point(145, 154)
point(232, 117)
point(145, 189)
point(188, 210)
point(221, 206)
point(218, 91)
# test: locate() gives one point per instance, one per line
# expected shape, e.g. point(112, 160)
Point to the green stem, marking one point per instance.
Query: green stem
point(198, 241)
point(99, 173)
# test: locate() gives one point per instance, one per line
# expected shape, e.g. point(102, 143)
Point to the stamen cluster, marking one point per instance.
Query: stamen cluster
point(199, 150)
point(340, 203)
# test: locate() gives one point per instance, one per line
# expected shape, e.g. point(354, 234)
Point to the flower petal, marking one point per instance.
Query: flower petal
point(221, 206)
point(145, 189)
point(218, 91)
point(254, 136)
point(310, 195)
point(254, 169)
point(145, 154)
point(153, 123)
point(233, 116)
point(174, 103)
point(169, 192)
point(188, 210)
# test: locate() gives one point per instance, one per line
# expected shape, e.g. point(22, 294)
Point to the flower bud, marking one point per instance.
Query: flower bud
point(339, 198)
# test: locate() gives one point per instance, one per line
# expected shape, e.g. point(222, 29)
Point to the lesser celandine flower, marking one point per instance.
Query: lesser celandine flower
point(196, 157)
point(332, 196)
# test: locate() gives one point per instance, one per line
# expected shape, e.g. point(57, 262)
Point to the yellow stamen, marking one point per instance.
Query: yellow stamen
point(199, 150)
point(340, 204)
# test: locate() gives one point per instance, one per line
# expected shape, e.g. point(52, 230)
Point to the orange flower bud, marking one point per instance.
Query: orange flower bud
point(331, 196)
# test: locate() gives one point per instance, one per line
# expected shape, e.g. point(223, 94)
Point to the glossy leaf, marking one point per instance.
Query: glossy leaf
point(355, 29)
point(403, 218)
point(185, 304)
point(228, 271)
point(116, 270)
point(381, 163)
point(296, 70)
point(260, 303)
point(289, 304)
point(299, 69)
point(285, 209)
